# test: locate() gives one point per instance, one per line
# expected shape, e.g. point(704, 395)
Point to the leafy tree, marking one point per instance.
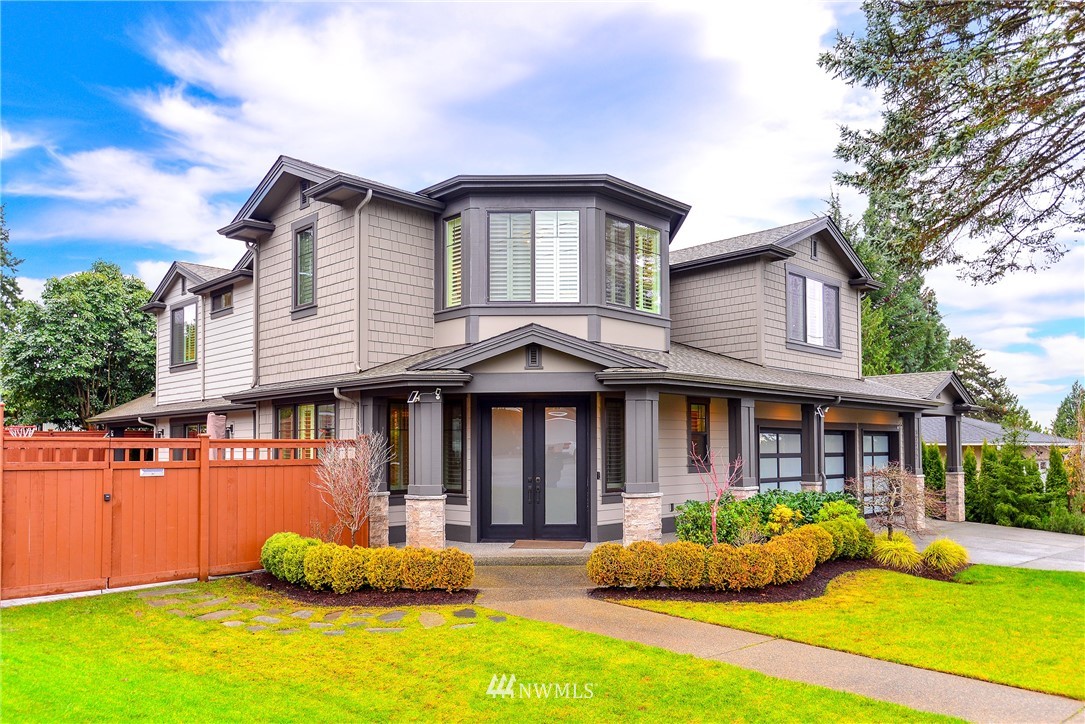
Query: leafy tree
point(982, 134)
point(989, 389)
point(85, 348)
point(9, 287)
point(1065, 422)
point(934, 469)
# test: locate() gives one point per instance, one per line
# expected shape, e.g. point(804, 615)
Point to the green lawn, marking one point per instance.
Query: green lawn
point(1009, 625)
point(115, 657)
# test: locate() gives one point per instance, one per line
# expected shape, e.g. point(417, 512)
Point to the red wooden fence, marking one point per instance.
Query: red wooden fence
point(80, 513)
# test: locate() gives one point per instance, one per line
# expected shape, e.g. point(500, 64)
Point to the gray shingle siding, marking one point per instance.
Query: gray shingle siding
point(719, 309)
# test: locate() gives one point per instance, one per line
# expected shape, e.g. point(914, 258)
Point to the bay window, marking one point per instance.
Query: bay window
point(633, 265)
point(813, 311)
point(535, 256)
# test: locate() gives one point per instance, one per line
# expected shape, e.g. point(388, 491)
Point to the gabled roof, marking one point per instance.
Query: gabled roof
point(976, 432)
point(928, 385)
point(196, 274)
point(773, 243)
point(534, 334)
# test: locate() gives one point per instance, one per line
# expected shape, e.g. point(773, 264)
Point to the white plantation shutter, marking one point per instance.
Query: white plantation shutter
point(815, 312)
point(557, 256)
point(618, 273)
point(510, 257)
point(648, 274)
point(796, 304)
point(453, 262)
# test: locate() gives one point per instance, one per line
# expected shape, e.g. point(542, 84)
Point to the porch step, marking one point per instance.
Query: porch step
point(502, 554)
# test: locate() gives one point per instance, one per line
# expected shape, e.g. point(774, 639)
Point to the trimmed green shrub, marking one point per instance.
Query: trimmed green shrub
point(271, 554)
point(694, 520)
point(845, 537)
point(685, 564)
point(819, 539)
point(836, 509)
point(783, 563)
point(293, 563)
point(646, 564)
point(348, 568)
point(806, 502)
point(419, 570)
point(384, 569)
point(607, 565)
point(865, 547)
point(455, 570)
point(897, 552)
point(945, 555)
point(318, 565)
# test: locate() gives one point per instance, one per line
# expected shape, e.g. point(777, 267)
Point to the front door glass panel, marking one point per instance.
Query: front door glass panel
point(560, 494)
point(507, 466)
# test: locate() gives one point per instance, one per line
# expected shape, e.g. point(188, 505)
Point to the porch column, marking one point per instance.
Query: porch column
point(742, 444)
point(813, 449)
point(911, 458)
point(425, 499)
point(371, 415)
point(643, 503)
point(954, 470)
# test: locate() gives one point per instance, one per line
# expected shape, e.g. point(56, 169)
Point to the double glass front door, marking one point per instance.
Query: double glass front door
point(534, 469)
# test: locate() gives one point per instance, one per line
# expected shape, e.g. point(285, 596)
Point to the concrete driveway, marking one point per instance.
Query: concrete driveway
point(1002, 546)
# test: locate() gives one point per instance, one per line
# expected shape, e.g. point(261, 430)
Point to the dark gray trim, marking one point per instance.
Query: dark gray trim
point(348, 384)
point(298, 226)
point(426, 428)
point(247, 229)
point(342, 188)
point(768, 251)
point(184, 367)
point(152, 306)
point(813, 349)
point(812, 447)
point(668, 524)
point(611, 498)
point(609, 532)
point(303, 312)
point(566, 309)
point(396, 498)
point(303, 198)
point(954, 461)
point(802, 346)
point(397, 534)
point(742, 437)
point(546, 382)
point(224, 312)
point(641, 440)
point(458, 533)
point(225, 280)
point(533, 357)
point(456, 499)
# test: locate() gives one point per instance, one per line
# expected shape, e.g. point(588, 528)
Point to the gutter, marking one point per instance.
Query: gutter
point(361, 280)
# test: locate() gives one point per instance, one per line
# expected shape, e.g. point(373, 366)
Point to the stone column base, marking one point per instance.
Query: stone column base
point(425, 520)
point(742, 493)
point(378, 519)
point(955, 497)
point(812, 487)
point(915, 515)
point(643, 518)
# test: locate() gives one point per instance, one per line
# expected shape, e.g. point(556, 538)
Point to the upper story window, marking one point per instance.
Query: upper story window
point(535, 256)
point(183, 335)
point(304, 267)
point(222, 300)
point(813, 311)
point(633, 265)
point(453, 262)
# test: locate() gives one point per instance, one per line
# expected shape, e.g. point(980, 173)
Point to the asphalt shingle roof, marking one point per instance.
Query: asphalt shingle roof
point(204, 272)
point(925, 385)
point(145, 407)
point(735, 244)
point(975, 432)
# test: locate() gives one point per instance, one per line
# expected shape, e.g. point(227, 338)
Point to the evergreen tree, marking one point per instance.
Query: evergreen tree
point(979, 501)
point(1065, 422)
point(1057, 483)
point(971, 467)
point(934, 469)
point(989, 389)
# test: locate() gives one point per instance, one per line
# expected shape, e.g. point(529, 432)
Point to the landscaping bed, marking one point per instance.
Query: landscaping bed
point(364, 597)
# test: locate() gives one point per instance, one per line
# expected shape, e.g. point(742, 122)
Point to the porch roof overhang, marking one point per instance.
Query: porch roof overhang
point(147, 408)
point(238, 275)
point(344, 188)
point(353, 383)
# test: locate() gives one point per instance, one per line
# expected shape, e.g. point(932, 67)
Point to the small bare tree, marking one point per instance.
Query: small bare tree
point(895, 496)
point(349, 474)
point(715, 488)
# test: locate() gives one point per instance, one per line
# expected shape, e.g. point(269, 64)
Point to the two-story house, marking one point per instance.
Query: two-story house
point(544, 366)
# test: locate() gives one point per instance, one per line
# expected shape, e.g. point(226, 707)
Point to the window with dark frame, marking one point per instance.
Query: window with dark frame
point(780, 460)
point(813, 311)
point(813, 248)
point(534, 256)
point(304, 268)
point(613, 445)
point(697, 423)
point(452, 441)
point(835, 462)
point(876, 454)
point(399, 441)
point(183, 335)
point(304, 421)
point(222, 300)
point(633, 265)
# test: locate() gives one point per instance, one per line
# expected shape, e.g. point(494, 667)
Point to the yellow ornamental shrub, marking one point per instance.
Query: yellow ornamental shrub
point(784, 570)
point(781, 520)
point(759, 565)
point(318, 565)
point(455, 570)
point(419, 569)
point(946, 556)
point(348, 569)
point(803, 553)
point(685, 563)
point(820, 538)
point(723, 568)
point(293, 562)
point(273, 550)
point(607, 565)
point(646, 564)
point(384, 569)
point(898, 552)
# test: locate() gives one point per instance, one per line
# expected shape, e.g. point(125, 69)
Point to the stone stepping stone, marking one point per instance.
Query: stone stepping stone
point(358, 613)
point(255, 629)
point(204, 597)
point(301, 614)
point(465, 613)
point(334, 633)
point(429, 619)
point(266, 619)
point(392, 616)
point(159, 602)
point(288, 630)
point(333, 616)
point(276, 611)
point(320, 625)
point(464, 625)
point(497, 619)
point(384, 630)
point(211, 602)
point(177, 612)
point(248, 606)
point(217, 615)
point(174, 591)
point(233, 624)
point(354, 624)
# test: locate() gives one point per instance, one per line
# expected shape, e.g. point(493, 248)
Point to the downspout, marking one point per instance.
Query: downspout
point(357, 418)
point(361, 284)
point(820, 411)
point(255, 317)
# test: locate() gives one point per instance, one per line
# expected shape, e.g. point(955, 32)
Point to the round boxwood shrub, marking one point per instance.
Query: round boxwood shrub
point(837, 509)
point(348, 568)
point(803, 554)
point(759, 564)
point(607, 565)
point(419, 568)
point(946, 556)
point(293, 563)
point(318, 565)
point(455, 570)
point(897, 552)
point(271, 554)
point(818, 538)
point(684, 564)
point(724, 568)
point(784, 565)
point(865, 547)
point(384, 569)
point(646, 564)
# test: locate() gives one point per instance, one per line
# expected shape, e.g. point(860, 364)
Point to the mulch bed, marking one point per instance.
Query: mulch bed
point(810, 587)
point(366, 598)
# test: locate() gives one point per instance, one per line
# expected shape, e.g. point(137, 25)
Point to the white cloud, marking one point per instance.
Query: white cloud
point(151, 272)
point(12, 144)
point(31, 288)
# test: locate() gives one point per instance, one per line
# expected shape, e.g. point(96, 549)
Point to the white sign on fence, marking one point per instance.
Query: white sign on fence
point(152, 472)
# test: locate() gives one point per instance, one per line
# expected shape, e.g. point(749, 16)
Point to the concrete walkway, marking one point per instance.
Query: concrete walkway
point(557, 594)
point(1002, 546)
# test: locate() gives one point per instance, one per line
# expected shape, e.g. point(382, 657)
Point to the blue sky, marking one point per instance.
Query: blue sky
point(131, 131)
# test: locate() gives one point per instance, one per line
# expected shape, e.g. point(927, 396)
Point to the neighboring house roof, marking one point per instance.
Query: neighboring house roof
point(145, 407)
point(773, 243)
point(203, 272)
point(928, 385)
point(976, 432)
point(201, 278)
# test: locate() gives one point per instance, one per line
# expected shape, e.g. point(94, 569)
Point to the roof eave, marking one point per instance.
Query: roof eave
point(766, 251)
point(223, 281)
point(445, 378)
point(247, 230)
point(341, 189)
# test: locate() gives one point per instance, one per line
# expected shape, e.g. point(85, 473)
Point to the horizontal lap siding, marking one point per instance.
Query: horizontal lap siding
point(229, 347)
point(675, 481)
point(177, 386)
point(718, 310)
